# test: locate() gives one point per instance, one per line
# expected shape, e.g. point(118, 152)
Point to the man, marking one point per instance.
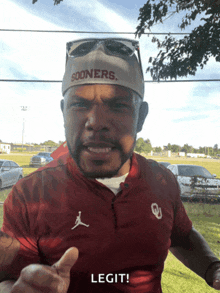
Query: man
point(115, 211)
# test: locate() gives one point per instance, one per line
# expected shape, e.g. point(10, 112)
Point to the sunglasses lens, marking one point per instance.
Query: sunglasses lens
point(118, 48)
point(114, 47)
point(82, 49)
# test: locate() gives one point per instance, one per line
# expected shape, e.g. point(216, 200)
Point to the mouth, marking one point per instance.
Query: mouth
point(98, 150)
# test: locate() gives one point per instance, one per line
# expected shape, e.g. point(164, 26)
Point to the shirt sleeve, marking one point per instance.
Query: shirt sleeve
point(182, 224)
point(19, 224)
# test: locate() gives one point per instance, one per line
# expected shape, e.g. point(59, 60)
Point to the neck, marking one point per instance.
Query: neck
point(124, 169)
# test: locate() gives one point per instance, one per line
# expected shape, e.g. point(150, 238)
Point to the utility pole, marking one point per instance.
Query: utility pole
point(23, 108)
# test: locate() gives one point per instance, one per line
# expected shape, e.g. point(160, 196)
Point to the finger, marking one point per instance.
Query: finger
point(216, 278)
point(40, 277)
point(20, 287)
point(9, 248)
point(64, 265)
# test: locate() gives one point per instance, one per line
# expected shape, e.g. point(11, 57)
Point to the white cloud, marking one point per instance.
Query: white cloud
point(41, 55)
point(97, 14)
point(12, 15)
point(163, 124)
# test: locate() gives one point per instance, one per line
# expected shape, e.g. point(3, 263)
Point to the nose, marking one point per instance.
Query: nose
point(97, 119)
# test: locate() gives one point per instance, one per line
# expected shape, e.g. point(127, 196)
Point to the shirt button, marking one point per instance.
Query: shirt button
point(126, 185)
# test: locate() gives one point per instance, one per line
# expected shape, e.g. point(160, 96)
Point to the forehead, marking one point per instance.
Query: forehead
point(91, 91)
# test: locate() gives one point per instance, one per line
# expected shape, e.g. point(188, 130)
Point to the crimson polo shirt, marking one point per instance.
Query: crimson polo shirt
point(127, 233)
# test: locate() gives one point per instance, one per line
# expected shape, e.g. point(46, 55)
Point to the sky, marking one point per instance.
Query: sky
point(179, 113)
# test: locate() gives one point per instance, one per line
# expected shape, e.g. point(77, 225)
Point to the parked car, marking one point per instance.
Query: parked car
point(165, 164)
point(40, 159)
point(10, 173)
point(196, 181)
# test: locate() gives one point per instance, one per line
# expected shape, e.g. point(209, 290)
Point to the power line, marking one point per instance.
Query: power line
point(85, 32)
point(29, 80)
point(59, 81)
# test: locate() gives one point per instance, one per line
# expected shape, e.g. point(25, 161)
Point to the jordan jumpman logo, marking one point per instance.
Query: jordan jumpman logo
point(79, 222)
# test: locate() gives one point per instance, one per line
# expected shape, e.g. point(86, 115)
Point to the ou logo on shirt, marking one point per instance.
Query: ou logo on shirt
point(156, 211)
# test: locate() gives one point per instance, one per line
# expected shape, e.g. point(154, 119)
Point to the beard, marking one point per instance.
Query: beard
point(99, 170)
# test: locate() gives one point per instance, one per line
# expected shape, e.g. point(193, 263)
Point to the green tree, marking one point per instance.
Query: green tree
point(211, 151)
point(169, 147)
point(149, 146)
point(50, 143)
point(187, 148)
point(142, 146)
point(215, 148)
point(175, 148)
point(201, 150)
point(60, 142)
point(147, 141)
point(158, 149)
point(182, 57)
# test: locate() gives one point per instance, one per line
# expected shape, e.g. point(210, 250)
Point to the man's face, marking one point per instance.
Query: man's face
point(101, 123)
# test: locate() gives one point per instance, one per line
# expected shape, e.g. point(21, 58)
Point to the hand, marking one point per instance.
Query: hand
point(9, 248)
point(216, 282)
point(38, 278)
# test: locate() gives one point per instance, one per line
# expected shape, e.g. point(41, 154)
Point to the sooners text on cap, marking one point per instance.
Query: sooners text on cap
point(93, 73)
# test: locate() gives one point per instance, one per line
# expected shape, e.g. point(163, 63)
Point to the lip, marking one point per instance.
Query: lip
point(98, 144)
point(91, 151)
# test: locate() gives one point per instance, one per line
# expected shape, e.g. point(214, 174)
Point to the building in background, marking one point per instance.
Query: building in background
point(5, 148)
point(18, 147)
point(193, 155)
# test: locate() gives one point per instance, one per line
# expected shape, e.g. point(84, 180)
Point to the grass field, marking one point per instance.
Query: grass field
point(21, 159)
point(205, 217)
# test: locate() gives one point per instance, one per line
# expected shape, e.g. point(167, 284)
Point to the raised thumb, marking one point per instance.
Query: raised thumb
point(65, 263)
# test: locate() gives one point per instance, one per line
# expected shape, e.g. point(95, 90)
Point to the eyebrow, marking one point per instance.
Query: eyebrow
point(115, 98)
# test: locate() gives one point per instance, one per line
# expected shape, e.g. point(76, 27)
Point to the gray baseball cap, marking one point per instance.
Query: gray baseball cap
point(103, 61)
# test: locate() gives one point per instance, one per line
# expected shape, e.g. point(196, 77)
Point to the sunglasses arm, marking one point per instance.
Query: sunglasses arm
point(139, 56)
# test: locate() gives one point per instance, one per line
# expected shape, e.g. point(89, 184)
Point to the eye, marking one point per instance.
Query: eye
point(80, 104)
point(120, 106)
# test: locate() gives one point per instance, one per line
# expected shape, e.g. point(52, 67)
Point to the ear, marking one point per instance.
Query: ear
point(143, 111)
point(62, 105)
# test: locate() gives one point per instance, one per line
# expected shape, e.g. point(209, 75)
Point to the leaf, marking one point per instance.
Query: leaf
point(181, 57)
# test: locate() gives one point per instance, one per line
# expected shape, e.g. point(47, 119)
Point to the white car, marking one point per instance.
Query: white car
point(10, 173)
point(165, 164)
point(40, 159)
point(196, 181)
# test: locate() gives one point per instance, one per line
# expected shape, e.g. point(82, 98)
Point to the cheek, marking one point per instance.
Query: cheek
point(127, 143)
point(72, 121)
point(127, 134)
point(72, 127)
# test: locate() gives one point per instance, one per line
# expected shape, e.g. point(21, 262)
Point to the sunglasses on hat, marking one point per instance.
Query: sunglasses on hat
point(119, 47)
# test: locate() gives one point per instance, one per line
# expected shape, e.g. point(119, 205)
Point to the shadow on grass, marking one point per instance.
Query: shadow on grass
point(4, 193)
point(209, 200)
point(176, 281)
point(27, 166)
point(181, 275)
point(6, 188)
